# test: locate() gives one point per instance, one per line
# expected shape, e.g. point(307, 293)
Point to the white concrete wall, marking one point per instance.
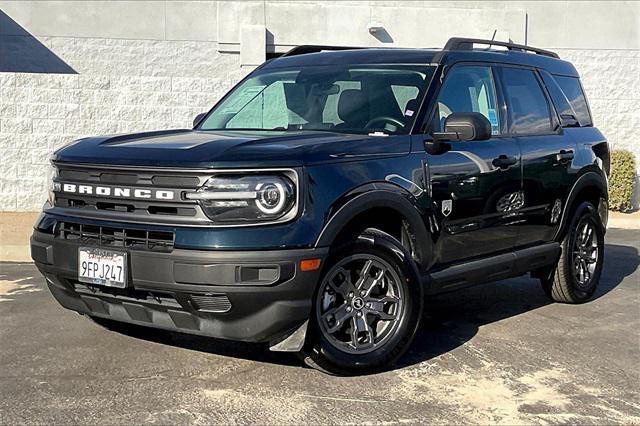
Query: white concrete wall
point(134, 71)
point(121, 86)
point(107, 67)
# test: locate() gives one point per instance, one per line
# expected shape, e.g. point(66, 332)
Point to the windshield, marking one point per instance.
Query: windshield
point(346, 98)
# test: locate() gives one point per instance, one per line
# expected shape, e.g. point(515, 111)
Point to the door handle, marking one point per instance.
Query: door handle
point(564, 156)
point(504, 161)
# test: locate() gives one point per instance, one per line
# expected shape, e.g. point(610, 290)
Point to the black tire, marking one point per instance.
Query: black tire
point(564, 283)
point(323, 351)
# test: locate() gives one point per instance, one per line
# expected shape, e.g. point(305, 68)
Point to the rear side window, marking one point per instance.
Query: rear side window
point(574, 94)
point(528, 108)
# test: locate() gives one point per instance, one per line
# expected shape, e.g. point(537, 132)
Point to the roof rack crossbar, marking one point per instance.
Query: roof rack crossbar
point(458, 43)
point(301, 50)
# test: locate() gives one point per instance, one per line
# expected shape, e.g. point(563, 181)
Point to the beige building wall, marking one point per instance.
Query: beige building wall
point(75, 68)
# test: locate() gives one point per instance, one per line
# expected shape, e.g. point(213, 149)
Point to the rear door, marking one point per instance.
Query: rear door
point(547, 153)
point(476, 184)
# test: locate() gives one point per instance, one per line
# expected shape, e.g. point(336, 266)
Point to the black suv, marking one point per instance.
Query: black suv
point(331, 191)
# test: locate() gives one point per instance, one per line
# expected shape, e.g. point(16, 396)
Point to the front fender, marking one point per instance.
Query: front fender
point(378, 195)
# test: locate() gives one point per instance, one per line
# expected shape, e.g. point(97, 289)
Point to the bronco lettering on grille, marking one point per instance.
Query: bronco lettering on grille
point(118, 192)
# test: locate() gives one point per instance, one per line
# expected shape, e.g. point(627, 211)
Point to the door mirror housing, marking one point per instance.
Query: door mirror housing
point(465, 126)
point(198, 118)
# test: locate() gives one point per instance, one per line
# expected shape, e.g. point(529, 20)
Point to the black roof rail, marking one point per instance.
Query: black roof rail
point(309, 48)
point(459, 43)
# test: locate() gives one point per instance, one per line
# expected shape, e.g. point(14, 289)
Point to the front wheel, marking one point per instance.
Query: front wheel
point(367, 307)
point(576, 276)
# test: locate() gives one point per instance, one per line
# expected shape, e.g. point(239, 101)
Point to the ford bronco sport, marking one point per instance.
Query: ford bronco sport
point(333, 189)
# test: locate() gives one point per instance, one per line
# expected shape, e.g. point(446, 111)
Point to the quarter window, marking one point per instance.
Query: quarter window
point(467, 89)
point(563, 107)
point(573, 91)
point(528, 108)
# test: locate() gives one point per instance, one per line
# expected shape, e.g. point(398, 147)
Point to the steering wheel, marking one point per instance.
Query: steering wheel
point(386, 119)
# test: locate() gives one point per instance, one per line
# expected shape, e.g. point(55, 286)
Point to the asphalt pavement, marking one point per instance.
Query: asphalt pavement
point(495, 353)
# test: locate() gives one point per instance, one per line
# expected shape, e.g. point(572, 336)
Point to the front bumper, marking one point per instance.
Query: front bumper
point(254, 296)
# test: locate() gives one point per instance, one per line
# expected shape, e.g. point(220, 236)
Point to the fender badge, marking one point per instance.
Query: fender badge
point(555, 211)
point(447, 206)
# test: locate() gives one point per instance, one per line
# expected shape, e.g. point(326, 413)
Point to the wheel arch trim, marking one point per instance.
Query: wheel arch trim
point(386, 196)
point(590, 178)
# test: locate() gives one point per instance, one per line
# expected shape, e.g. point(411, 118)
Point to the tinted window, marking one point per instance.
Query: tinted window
point(563, 107)
point(573, 91)
point(528, 108)
point(467, 89)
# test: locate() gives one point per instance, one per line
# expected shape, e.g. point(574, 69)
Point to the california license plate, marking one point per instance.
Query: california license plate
point(102, 267)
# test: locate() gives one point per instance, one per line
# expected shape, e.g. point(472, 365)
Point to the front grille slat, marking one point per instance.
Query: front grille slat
point(108, 236)
point(218, 303)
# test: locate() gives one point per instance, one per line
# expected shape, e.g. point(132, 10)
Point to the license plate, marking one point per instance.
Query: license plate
point(102, 267)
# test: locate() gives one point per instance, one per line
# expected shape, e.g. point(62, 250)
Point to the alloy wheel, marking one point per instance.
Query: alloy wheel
point(585, 252)
point(360, 303)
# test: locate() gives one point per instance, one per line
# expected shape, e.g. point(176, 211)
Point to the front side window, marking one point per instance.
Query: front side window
point(341, 98)
point(467, 89)
point(527, 105)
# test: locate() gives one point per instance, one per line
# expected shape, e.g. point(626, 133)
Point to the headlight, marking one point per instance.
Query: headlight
point(52, 186)
point(241, 199)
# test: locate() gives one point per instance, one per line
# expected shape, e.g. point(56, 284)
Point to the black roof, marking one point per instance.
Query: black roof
point(456, 50)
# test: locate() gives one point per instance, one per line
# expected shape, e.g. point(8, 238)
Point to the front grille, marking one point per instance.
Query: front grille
point(177, 210)
point(116, 237)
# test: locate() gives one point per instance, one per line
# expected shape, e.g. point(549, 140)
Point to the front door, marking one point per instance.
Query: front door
point(476, 185)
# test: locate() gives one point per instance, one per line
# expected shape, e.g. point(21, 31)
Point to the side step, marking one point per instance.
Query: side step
point(492, 268)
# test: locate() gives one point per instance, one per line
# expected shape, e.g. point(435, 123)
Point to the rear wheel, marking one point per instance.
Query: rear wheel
point(367, 307)
point(576, 276)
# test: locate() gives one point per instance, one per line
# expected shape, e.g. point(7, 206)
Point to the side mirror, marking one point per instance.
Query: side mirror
point(465, 126)
point(198, 118)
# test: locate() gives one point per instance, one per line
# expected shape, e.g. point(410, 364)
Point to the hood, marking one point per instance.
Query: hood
point(207, 149)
